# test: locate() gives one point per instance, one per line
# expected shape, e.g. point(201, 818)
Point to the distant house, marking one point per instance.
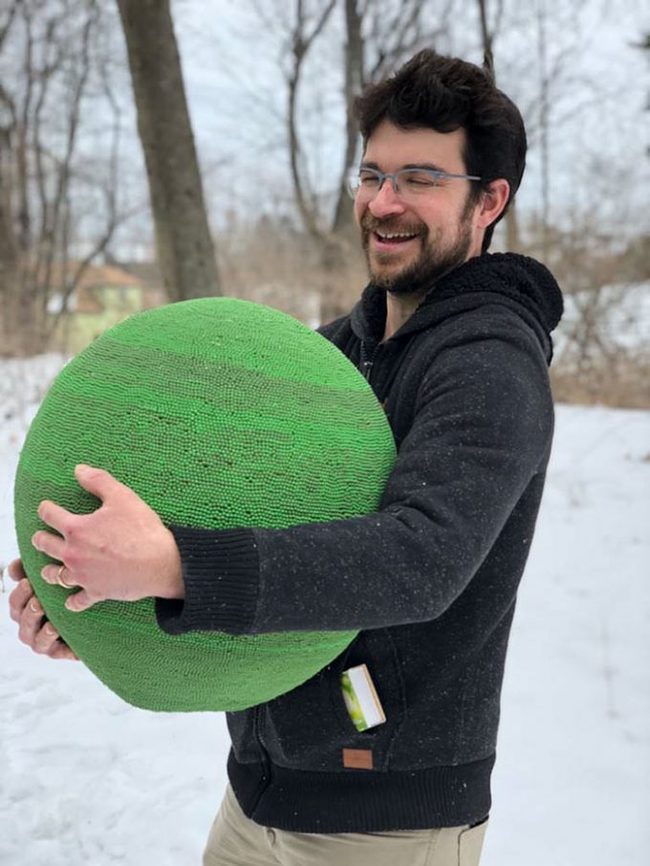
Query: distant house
point(106, 295)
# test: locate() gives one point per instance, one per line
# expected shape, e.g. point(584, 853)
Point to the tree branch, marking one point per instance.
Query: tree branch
point(5, 27)
point(301, 45)
point(63, 178)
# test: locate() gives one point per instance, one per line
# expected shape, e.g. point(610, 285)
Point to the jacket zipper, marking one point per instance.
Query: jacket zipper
point(367, 359)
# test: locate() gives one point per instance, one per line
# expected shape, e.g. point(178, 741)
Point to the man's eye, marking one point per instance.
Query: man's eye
point(417, 180)
point(368, 179)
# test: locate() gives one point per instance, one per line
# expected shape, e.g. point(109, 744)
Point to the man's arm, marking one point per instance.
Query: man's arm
point(482, 431)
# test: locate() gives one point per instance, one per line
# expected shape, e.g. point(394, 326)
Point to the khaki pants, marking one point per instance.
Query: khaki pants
point(235, 840)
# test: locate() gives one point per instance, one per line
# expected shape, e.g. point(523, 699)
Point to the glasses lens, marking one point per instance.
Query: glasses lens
point(352, 183)
point(414, 182)
point(365, 182)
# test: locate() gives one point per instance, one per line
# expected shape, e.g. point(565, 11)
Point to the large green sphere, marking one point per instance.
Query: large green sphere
point(218, 413)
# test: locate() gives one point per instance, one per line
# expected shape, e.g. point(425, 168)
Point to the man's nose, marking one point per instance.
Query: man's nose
point(386, 201)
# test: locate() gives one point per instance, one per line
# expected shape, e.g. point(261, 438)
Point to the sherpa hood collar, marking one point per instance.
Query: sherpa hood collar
point(519, 282)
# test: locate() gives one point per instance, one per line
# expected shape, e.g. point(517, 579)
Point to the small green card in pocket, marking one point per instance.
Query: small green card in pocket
point(361, 698)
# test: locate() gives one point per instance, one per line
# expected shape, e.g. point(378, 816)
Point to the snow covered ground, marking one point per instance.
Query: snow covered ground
point(86, 780)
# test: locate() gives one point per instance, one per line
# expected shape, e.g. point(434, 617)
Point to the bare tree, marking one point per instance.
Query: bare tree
point(544, 116)
point(184, 243)
point(489, 30)
point(539, 58)
point(355, 74)
point(303, 34)
point(43, 185)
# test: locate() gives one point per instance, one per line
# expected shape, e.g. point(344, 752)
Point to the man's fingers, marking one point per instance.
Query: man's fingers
point(61, 650)
point(79, 601)
point(15, 570)
point(59, 575)
point(99, 482)
point(45, 639)
point(48, 543)
point(18, 598)
point(30, 621)
point(34, 630)
point(55, 516)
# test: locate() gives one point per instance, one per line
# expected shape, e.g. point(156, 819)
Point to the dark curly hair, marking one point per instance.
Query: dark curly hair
point(445, 94)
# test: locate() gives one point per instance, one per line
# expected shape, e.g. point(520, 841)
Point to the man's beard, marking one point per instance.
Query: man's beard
point(433, 262)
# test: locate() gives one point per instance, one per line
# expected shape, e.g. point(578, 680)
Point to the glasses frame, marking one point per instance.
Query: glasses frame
point(354, 185)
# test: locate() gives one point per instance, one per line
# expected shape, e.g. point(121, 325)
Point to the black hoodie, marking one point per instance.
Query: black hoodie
point(431, 578)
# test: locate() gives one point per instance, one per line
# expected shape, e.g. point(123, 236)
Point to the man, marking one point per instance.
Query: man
point(456, 345)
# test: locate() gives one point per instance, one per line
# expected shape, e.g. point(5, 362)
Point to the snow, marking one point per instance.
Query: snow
point(86, 779)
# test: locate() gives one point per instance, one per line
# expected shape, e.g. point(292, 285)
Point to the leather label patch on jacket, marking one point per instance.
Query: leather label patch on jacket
point(357, 759)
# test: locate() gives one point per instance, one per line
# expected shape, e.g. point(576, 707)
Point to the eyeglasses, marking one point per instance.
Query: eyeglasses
point(408, 183)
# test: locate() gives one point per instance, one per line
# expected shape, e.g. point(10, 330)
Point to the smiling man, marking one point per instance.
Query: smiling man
point(385, 756)
point(424, 216)
point(410, 234)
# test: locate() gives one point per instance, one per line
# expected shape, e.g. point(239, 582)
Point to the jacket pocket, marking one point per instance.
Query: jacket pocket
point(303, 728)
point(309, 727)
point(376, 649)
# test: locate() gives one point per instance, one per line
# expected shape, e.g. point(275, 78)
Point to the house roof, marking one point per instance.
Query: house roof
point(84, 299)
point(96, 276)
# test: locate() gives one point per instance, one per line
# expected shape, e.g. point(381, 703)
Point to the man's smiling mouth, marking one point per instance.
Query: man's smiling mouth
point(395, 236)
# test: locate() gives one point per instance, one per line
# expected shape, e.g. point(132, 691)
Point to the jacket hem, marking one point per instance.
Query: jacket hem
point(358, 801)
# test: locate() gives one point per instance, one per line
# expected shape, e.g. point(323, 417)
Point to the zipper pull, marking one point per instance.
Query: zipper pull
point(367, 359)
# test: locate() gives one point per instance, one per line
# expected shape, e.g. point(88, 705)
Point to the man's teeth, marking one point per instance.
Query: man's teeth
point(389, 236)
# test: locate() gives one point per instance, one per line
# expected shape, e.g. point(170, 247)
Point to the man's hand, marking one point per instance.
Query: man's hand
point(33, 629)
point(122, 551)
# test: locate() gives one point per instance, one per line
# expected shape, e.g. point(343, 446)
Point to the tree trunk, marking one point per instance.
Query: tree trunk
point(353, 63)
point(186, 253)
point(9, 296)
point(487, 40)
point(544, 124)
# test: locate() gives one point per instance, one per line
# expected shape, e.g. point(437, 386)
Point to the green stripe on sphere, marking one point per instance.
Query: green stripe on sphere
point(218, 413)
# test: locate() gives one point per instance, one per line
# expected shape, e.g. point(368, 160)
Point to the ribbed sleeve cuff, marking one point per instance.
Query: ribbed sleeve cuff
point(221, 575)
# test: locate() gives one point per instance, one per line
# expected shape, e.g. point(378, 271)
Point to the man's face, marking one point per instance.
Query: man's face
point(438, 223)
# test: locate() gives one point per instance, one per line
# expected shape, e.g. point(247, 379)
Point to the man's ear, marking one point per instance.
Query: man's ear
point(492, 202)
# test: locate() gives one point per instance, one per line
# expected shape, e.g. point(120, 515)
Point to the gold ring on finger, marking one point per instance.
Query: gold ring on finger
point(61, 581)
